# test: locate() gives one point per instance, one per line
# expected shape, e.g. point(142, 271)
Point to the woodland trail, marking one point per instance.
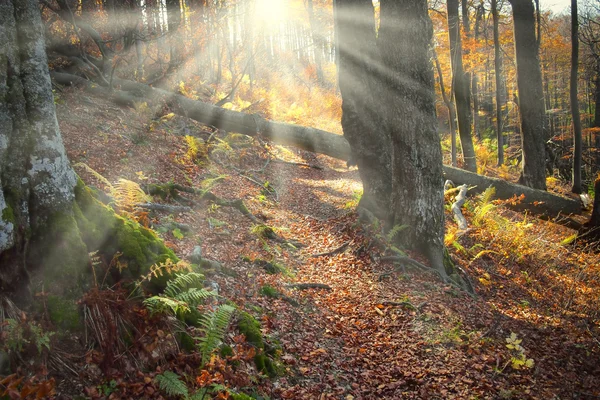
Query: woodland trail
point(405, 336)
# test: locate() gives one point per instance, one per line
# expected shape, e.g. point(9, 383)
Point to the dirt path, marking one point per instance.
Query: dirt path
point(406, 336)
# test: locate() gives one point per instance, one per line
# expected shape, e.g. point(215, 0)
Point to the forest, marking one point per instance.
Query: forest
point(299, 199)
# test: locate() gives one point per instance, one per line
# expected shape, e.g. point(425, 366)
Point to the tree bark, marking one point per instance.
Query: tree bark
point(363, 127)
point(35, 176)
point(499, 85)
point(408, 106)
point(576, 173)
point(451, 110)
point(317, 40)
point(460, 87)
point(531, 96)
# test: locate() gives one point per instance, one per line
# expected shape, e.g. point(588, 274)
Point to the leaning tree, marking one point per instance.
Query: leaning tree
point(49, 220)
point(386, 82)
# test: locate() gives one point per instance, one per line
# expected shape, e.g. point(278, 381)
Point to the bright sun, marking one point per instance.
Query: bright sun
point(271, 11)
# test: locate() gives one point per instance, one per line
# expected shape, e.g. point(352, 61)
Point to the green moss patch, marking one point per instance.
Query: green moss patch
point(64, 313)
point(102, 229)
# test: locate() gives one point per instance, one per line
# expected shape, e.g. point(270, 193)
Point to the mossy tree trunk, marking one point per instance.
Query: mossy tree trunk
point(36, 178)
point(49, 222)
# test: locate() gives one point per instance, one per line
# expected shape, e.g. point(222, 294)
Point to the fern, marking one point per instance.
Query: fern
point(161, 304)
point(485, 205)
point(183, 282)
point(127, 194)
point(214, 326)
point(488, 195)
point(395, 231)
point(170, 383)
point(183, 292)
point(194, 296)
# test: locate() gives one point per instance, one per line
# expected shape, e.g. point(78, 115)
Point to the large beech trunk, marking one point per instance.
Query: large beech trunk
point(314, 140)
point(36, 181)
point(360, 75)
point(407, 105)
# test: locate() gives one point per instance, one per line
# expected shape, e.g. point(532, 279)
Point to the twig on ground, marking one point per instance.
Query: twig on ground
point(332, 252)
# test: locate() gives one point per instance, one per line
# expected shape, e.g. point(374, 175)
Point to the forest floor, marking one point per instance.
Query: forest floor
point(378, 332)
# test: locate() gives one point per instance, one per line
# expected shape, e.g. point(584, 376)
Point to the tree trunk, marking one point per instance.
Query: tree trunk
point(35, 176)
point(499, 86)
point(317, 41)
point(48, 222)
point(460, 87)
point(408, 106)
point(451, 110)
point(594, 221)
point(531, 96)
point(173, 22)
point(363, 126)
point(597, 96)
point(574, 101)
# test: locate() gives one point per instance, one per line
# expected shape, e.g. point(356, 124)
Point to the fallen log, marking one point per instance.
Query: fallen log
point(536, 201)
point(314, 140)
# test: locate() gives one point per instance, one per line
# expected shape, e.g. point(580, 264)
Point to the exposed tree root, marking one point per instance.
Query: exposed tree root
point(467, 287)
point(332, 252)
point(303, 286)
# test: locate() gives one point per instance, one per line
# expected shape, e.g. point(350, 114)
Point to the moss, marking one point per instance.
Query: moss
point(102, 229)
point(226, 351)
point(64, 313)
point(265, 365)
point(8, 214)
point(58, 250)
point(240, 396)
point(164, 191)
point(250, 327)
point(269, 291)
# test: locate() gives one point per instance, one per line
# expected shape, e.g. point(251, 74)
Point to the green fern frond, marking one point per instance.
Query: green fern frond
point(481, 212)
point(183, 282)
point(395, 231)
point(170, 383)
point(194, 296)
point(487, 195)
point(214, 326)
point(161, 304)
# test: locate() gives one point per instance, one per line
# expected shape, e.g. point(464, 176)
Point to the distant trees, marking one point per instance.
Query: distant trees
point(389, 117)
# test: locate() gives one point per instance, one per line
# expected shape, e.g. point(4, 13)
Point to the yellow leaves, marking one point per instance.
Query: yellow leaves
point(518, 359)
point(485, 280)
